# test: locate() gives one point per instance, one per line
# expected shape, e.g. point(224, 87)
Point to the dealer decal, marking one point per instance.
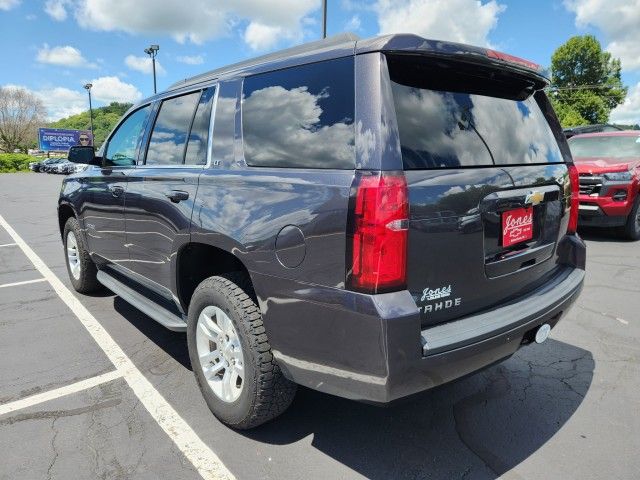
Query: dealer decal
point(438, 299)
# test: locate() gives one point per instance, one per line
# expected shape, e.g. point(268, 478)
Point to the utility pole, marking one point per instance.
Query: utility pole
point(152, 51)
point(324, 18)
point(88, 88)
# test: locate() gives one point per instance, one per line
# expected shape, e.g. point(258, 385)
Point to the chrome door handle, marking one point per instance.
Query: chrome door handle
point(177, 195)
point(116, 190)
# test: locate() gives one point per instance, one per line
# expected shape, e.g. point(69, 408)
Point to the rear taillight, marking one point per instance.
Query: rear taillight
point(574, 181)
point(379, 225)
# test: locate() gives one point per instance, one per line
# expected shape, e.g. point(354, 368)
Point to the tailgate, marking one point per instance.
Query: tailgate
point(487, 185)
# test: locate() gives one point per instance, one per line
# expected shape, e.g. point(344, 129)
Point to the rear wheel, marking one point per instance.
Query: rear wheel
point(82, 271)
point(632, 227)
point(231, 356)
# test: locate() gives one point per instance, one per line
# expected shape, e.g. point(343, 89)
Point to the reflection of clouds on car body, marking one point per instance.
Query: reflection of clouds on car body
point(223, 147)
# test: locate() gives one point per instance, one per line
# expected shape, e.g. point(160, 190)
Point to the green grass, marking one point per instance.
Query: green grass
point(15, 162)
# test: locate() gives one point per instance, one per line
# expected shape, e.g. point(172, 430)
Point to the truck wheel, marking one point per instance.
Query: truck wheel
point(82, 270)
point(231, 356)
point(632, 228)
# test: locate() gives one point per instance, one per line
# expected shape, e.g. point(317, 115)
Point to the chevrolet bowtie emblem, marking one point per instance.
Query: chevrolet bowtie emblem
point(534, 198)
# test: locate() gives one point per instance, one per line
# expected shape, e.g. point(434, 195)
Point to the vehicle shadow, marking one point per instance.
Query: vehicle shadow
point(481, 426)
point(173, 343)
point(609, 235)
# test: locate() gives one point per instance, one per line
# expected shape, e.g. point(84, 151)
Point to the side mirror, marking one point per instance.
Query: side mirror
point(84, 154)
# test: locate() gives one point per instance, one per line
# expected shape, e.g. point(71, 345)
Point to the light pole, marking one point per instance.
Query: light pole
point(152, 51)
point(324, 18)
point(88, 86)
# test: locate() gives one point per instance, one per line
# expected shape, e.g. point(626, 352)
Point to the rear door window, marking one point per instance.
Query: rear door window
point(198, 138)
point(300, 116)
point(171, 130)
point(448, 119)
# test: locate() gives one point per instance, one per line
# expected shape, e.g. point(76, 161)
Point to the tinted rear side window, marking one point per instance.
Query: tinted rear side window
point(169, 136)
point(197, 146)
point(300, 117)
point(469, 123)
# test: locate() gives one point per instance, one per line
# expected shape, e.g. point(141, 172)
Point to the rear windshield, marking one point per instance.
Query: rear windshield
point(612, 147)
point(448, 118)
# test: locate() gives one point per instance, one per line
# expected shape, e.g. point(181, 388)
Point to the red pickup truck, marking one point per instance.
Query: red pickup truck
point(609, 168)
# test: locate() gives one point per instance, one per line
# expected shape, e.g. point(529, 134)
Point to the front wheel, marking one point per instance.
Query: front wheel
point(82, 271)
point(632, 227)
point(231, 356)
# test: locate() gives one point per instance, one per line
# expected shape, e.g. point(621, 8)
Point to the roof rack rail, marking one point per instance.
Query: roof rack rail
point(305, 48)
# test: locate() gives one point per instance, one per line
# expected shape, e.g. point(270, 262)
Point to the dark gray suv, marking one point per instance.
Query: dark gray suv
point(368, 218)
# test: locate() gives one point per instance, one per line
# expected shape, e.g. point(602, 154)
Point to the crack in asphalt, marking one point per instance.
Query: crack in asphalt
point(53, 447)
point(21, 417)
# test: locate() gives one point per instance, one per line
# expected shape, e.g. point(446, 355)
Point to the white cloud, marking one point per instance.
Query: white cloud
point(262, 37)
point(191, 59)
point(67, 56)
point(619, 20)
point(466, 21)
point(57, 9)
point(60, 102)
point(112, 89)
point(143, 64)
point(353, 24)
point(629, 111)
point(8, 4)
point(258, 20)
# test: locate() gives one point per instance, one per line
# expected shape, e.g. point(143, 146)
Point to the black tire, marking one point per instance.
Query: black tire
point(266, 393)
point(87, 281)
point(632, 227)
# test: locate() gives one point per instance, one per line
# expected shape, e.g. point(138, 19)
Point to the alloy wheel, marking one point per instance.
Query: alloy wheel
point(73, 255)
point(220, 353)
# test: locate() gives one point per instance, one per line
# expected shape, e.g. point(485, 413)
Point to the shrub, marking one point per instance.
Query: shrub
point(15, 162)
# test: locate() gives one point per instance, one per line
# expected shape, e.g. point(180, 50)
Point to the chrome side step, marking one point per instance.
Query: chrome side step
point(142, 303)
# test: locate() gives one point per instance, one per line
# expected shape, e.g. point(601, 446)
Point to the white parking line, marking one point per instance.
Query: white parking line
point(205, 461)
point(8, 245)
point(59, 392)
point(15, 284)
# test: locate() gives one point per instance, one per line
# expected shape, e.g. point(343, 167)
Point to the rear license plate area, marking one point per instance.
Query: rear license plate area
point(517, 226)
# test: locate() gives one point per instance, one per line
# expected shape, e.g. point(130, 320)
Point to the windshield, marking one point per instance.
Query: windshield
point(612, 147)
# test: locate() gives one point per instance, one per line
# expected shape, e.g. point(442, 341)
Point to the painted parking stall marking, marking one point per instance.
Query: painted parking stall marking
point(25, 282)
point(8, 245)
point(59, 392)
point(204, 460)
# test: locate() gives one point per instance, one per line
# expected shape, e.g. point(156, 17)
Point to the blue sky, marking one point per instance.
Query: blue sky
point(53, 47)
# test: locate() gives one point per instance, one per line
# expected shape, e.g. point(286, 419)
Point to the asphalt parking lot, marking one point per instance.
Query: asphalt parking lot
point(95, 389)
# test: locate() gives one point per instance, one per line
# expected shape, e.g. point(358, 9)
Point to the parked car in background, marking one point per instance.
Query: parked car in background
point(368, 218)
point(597, 128)
point(46, 165)
point(75, 168)
point(59, 167)
point(609, 169)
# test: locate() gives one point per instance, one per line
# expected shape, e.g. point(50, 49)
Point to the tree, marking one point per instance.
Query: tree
point(586, 82)
point(104, 119)
point(21, 113)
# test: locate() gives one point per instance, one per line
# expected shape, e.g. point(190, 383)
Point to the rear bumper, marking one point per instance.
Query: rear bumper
point(371, 347)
